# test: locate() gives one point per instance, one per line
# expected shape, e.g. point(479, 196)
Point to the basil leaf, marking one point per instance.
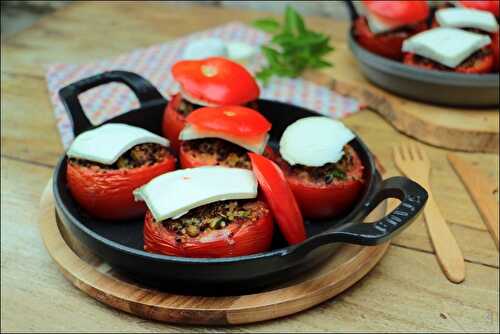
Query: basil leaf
point(292, 49)
point(293, 21)
point(268, 25)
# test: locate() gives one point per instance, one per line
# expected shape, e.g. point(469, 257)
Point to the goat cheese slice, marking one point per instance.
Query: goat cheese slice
point(448, 46)
point(314, 141)
point(467, 18)
point(173, 194)
point(190, 133)
point(108, 142)
point(376, 25)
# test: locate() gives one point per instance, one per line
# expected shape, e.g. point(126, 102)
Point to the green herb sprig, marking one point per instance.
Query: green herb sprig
point(293, 48)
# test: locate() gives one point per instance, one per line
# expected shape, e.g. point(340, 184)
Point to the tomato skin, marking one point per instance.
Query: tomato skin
point(280, 197)
point(234, 121)
point(481, 65)
point(173, 122)
point(320, 201)
point(107, 194)
point(492, 6)
point(386, 45)
point(233, 240)
point(396, 13)
point(216, 80)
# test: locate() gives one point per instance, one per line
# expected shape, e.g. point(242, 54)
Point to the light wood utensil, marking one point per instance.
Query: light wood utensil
point(411, 160)
point(481, 191)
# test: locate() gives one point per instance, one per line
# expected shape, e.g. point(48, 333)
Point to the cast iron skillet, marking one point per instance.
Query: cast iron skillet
point(121, 243)
point(438, 87)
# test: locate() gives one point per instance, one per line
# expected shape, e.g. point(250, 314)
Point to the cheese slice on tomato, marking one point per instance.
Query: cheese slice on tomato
point(447, 46)
point(314, 141)
point(173, 194)
point(377, 26)
point(257, 145)
point(108, 142)
point(467, 18)
point(185, 95)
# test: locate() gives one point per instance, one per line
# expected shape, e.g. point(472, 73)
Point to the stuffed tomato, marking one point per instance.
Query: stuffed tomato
point(388, 23)
point(106, 164)
point(210, 82)
point(206, 212)
point(222, 136)
point(214, 211)
point(474, 20)
point(449, 49)
point(324, 172)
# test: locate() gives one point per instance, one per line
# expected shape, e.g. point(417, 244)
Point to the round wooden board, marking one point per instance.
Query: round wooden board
point(470, 130)
point(96, 278)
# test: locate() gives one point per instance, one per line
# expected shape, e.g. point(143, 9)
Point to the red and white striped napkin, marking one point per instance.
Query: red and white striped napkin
point(154, 64)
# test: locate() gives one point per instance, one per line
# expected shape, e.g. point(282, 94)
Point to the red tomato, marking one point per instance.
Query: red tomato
point(233, 121)
point(234, 240)
point(107, 194)
point(319, 200)
point(495, 45)
point(173, 122)
point(388, 44)
point(216, 80)
point(395, 13)
point(492, 6)
point(483, 64)
point(280, 197)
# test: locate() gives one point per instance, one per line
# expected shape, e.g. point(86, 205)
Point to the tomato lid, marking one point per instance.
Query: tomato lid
point(492, 6)
point(395, 13)
point(280, 198)
point(234, 121)
point(216, 80)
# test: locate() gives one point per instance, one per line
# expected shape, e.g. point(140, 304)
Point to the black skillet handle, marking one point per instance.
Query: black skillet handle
point(142, 88)
point(353, 13)
point(413, 198)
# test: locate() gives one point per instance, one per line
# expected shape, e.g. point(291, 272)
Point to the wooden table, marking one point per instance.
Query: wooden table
point(405, 292)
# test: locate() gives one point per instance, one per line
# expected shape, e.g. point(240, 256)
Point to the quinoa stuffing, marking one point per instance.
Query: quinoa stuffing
point(215, 216)
point(469, 62)
point(327, 173)
point(225, 153)
point(137, 156)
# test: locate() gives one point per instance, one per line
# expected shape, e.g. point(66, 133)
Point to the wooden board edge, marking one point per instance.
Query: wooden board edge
point(445, 137)
point(244, 309)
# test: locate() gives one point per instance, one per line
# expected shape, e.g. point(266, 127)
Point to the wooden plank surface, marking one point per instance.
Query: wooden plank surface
point(406, 291)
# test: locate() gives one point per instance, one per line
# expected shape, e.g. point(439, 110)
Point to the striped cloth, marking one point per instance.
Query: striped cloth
point(154, 64)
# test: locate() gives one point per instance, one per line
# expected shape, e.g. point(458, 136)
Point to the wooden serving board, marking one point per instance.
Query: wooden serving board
point(471, 130)
point(97, 279)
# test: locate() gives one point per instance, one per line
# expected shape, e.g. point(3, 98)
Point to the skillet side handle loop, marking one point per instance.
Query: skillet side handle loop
point(353, 13)
point(141, 87)
point(413, 198)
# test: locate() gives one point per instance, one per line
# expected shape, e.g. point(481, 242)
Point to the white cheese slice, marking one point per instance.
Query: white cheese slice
point(174, 194)
point(376, 25)
point(467, 18)
point(204, 48)
point(448, 46)
point(185, 95)
point(190, 133)
point(108, 142)
point(314, 141)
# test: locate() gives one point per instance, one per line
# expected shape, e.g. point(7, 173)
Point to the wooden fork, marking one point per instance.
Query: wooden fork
point(414, 163)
